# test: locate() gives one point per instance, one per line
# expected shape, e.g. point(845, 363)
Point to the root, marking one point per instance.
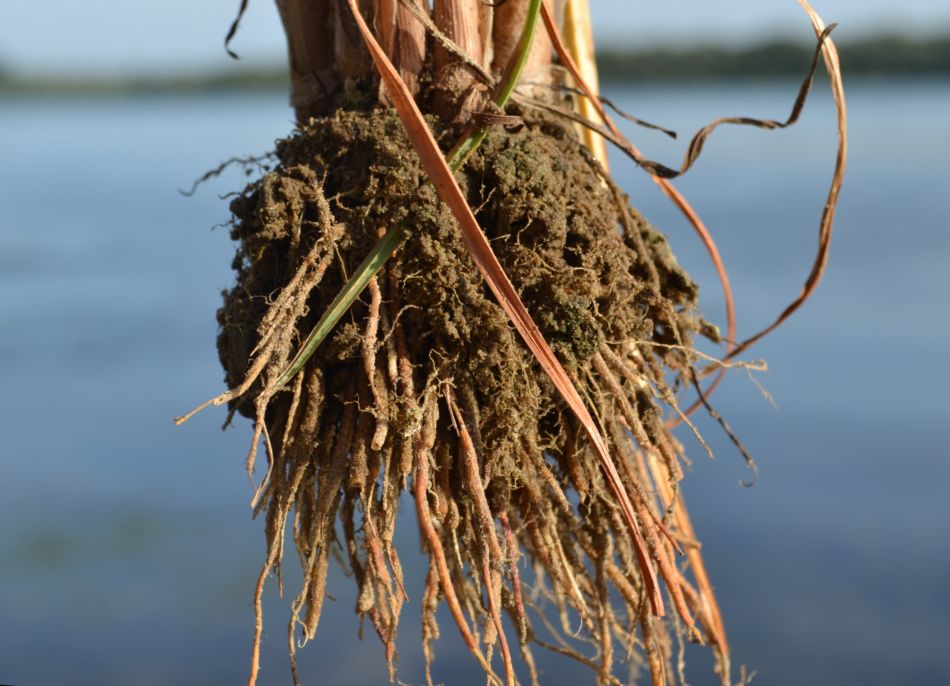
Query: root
point(424, 387)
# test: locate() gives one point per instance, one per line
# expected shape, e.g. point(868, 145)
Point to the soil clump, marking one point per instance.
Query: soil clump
point(424, 386)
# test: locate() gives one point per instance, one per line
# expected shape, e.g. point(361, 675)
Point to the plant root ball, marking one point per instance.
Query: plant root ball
point(424, 385)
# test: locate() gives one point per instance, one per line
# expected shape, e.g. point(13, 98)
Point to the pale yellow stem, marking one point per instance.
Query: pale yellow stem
point(579, 40)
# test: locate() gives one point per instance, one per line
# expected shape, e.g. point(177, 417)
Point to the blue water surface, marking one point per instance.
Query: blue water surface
point(127, 554)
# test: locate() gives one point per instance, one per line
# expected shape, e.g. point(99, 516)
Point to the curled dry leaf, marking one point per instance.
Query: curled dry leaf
point(234, 28)
point(832, 64)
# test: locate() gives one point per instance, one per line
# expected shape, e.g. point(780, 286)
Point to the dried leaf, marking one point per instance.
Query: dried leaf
point(833, 66)
point(699, 139)
point(233, 30)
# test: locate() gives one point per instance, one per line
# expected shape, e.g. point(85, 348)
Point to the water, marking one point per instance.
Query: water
point(126, 551)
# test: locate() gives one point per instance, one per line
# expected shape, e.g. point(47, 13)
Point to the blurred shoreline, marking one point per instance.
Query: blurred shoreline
point(873, 57)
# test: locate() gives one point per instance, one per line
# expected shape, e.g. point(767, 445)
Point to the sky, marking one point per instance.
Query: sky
point(118, 36)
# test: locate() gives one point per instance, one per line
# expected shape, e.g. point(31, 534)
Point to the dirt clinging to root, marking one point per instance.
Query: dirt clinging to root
point(424, 386)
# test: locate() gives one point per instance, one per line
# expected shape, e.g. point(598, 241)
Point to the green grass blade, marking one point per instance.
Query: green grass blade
point(345, 298)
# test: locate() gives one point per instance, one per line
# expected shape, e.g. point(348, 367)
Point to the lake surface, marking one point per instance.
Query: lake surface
point(127, 555)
